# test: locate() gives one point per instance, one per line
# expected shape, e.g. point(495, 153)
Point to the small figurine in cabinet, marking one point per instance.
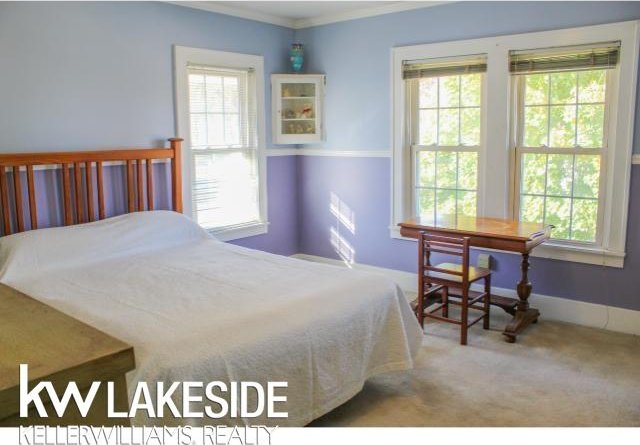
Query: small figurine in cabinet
point(307, 111)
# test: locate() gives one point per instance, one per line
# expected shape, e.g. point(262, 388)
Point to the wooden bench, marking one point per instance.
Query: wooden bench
point(58, 348)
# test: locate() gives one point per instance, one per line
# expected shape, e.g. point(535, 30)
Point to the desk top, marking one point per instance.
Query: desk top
point(506, 229)
point(56, 347)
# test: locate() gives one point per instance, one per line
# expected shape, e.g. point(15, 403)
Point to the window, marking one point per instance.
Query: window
point(445, 98)
point(219, 100)
point(561, 141)
point(552, 142)
point(561, 137)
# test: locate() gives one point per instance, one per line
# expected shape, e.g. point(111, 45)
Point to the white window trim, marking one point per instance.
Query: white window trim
point(497, 154)
point(221, 59)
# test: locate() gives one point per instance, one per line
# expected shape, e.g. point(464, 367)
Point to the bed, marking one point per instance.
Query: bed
point(198, 309)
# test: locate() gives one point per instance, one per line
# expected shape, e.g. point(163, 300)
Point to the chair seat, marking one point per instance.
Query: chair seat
point(475, 273)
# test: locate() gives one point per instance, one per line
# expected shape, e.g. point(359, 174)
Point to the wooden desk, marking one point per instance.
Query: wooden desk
point(58, 348)
point(499, 234)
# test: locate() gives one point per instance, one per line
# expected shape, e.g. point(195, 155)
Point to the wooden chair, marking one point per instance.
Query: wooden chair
point(444, 276)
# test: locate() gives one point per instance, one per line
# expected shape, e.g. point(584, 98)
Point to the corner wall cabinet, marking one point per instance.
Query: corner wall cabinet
point(298, 102)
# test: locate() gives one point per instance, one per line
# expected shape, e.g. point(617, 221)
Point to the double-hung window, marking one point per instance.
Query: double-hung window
point(561, 137)
point(536, 127)
point(219, 100)
point(444, 100)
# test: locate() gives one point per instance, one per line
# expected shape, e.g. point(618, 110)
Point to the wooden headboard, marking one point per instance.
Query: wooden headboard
point(84, 195)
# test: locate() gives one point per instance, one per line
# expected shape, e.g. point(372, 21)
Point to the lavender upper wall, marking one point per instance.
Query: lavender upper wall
point(100, 74)
point(355, 56)
point(78, 75)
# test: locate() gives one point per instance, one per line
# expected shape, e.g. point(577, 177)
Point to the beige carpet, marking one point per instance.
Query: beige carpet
point(557, 374)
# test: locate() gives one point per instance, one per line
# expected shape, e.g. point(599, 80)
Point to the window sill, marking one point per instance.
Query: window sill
point(562, 252)
point(241, 231)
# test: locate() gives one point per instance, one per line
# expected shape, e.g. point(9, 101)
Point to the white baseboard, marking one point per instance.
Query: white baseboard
point(552, 308)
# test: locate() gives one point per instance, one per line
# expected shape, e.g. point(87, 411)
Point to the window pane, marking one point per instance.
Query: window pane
point(559, 172)
point(591, 86)
point(446, 169)
point(215, 101)
point(446, 181)
point(563, 88)
point(428, 127)
point(448, 127)
point(196, 93)
point(563, 189)
point(232, 129)
point(449, 91)
point(428, 92)
point(198, 129)
point(590, 125)
point(426, 203)
point(558, 213)
point(534, 167)
point(535, 126)
point(225, 188)
point(467, 170)
point(587, 176)
point(563, 126)
point(470, 90)
point(536, 89)
point(584, 219)
point(446, 202)
point(467, 203)
point(231, 97)
point(532, 208)
point(470, 126)
point(426, 169)
point(215, 127)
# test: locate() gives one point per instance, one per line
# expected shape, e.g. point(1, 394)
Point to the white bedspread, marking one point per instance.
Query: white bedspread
point(197, 309)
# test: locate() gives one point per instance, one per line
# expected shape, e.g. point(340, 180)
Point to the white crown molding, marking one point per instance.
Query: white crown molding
point(328, 152)
point(635, 159)
point(552, 308)
point(244, 13)
point(363, 13)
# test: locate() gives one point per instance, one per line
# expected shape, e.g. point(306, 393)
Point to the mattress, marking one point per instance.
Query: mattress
point(198, 309)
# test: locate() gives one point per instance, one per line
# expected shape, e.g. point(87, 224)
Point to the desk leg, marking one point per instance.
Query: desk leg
point(524, 315)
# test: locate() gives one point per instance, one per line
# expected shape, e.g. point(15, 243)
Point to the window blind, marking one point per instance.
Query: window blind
point(571, 58)
point(224, 139)
point(420, 69)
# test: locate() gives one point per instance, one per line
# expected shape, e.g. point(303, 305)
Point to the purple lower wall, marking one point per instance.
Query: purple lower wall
point(282, 237)
point(361, 188)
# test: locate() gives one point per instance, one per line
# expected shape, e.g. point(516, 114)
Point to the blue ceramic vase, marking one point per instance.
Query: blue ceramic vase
point(296, 56)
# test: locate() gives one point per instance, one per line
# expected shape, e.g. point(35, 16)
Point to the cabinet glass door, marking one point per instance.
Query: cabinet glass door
point(298, 108)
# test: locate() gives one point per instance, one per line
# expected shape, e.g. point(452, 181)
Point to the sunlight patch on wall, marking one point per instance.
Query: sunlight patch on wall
point(342, 247)
point(343, 213)
point(345, 219)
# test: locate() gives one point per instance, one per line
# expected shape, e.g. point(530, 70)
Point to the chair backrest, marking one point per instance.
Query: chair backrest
point(456, 247)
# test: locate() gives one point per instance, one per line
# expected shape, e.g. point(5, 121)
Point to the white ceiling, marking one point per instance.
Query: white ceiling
point(302, 14)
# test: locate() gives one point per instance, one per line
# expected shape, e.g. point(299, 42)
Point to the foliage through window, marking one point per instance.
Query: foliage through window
point(561, 139)
point(447, 110)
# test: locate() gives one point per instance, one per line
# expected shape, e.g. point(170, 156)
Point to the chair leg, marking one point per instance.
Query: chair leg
point(445, 301)
point(420, 307)
point(487, 303)
point(464, 326)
